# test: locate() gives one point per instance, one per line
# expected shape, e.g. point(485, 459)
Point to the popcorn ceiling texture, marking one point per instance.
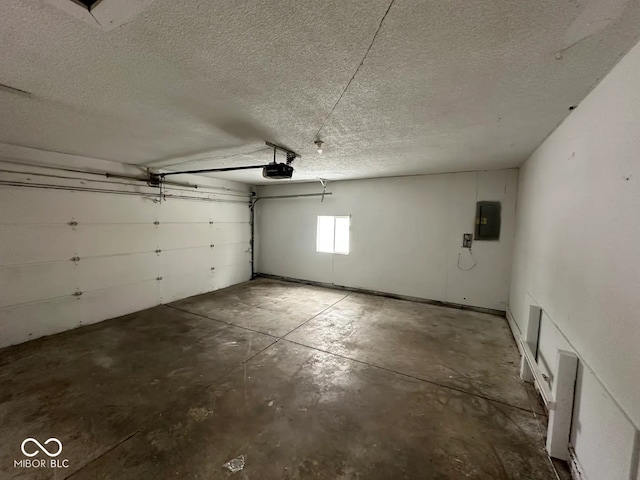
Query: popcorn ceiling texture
point(446, 86)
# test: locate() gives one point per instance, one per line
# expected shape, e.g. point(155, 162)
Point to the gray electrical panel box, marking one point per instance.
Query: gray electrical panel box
point(487, 221)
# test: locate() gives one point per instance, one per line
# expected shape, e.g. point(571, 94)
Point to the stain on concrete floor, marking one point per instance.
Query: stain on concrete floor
point(305, 382)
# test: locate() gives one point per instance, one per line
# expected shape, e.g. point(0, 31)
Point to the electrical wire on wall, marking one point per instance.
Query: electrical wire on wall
point(472, 266)
point(467, 238)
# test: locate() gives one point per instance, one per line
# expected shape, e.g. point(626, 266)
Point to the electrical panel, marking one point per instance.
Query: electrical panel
point(487, 221)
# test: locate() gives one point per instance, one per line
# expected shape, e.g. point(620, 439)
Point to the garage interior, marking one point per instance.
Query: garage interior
point(344, 240)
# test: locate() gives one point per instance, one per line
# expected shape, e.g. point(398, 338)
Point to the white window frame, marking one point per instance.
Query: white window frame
point(333, 251)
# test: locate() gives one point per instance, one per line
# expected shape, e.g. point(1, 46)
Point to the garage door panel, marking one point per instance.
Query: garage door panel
point(230, 254)
point(112, 302)
point(185, 211)
point(103, 272)
point(36, 243)
point(231, 233)
point(35, 206)
point(174, 262)
point(231, 212)
point(89, 208)
point(231, 274)
point(38, 281)
point(116, 239)
point(176, 287)
point(25, 322)
point(186, 235)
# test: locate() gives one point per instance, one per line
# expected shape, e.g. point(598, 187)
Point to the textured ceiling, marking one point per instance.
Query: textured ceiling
point(438, 86)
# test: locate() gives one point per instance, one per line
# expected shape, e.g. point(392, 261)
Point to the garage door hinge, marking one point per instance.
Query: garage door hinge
point(159, 278)
point(78, 293)
point(75, 259)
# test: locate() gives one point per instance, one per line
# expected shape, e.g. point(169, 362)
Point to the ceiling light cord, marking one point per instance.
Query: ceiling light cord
point(317, 135)
point(323, 182)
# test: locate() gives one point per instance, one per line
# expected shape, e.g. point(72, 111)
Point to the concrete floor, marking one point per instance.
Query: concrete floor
point(305, 382)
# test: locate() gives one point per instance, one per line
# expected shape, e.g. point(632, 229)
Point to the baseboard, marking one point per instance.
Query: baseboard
point(515, 330)
point(383, 294)
point(577, 472)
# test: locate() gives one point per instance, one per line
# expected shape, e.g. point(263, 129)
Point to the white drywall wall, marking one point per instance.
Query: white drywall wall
point(576, 256)
point(115, 239)
point(406, 235)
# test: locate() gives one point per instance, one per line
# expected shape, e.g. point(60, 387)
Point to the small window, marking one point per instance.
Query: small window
point(333, 235)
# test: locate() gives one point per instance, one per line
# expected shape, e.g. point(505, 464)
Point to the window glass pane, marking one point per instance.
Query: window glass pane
point(342, 235)
point(324, 238)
